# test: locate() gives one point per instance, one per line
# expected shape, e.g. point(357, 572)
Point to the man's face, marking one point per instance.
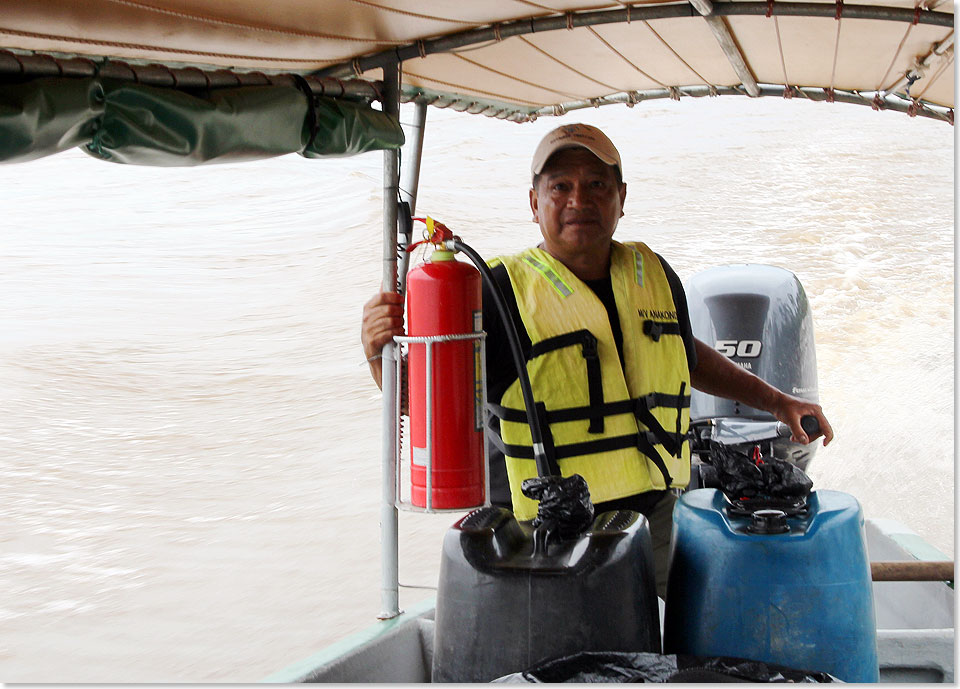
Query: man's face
point(577, 202)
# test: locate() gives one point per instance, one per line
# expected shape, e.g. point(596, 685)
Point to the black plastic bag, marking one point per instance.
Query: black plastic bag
point(653, 667)
point(565, 508)
point(769, 479)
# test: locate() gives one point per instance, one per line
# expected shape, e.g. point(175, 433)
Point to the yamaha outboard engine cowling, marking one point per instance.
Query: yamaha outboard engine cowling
point(759, 317)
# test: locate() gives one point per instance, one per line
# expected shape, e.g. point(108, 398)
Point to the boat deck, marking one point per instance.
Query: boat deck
point(915, 629)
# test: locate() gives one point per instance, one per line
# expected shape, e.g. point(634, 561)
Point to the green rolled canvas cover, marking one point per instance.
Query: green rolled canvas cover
point(148, 125)
point(45, 116)
point(345, 128)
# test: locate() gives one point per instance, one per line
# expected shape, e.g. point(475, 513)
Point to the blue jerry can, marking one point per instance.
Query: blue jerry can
point(742, 586)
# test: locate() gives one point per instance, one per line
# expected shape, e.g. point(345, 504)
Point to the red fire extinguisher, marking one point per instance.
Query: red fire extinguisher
point(443, 298)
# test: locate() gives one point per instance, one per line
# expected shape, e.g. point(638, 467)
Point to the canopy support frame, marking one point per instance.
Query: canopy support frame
point(414, 156)
point(505, 111)
point(389, 524)
point(32, 64)
point(937, 51)
point(728, 44)
point(411, 181)
point(394, 280)
point(577, 18)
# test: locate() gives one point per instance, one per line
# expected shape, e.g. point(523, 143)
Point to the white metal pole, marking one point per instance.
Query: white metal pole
point(412, 155)
point(389, 527)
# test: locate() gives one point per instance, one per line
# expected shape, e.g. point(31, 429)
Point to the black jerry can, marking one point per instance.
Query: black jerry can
point(504, 605)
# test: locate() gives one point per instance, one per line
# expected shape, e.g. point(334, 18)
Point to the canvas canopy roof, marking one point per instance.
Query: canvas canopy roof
point(632, 47)
point(512, 59)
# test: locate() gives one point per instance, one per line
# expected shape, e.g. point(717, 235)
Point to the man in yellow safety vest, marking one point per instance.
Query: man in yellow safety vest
point(583, 302)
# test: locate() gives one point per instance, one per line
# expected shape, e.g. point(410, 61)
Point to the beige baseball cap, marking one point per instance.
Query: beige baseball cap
point(572, 136)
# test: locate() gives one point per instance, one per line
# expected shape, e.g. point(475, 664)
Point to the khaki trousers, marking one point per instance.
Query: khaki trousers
point(661, 525)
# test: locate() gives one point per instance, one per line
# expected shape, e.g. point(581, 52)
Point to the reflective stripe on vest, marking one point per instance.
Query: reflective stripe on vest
point(623, 431)
point(558, 284)
point(638, 266)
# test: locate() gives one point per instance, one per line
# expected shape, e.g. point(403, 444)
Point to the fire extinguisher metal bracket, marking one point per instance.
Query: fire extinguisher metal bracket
point(429, 341)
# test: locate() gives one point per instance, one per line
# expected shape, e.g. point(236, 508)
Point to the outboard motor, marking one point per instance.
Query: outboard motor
point(759, 317)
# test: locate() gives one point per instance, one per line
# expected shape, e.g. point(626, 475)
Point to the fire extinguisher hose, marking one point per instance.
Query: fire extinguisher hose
point(546, 463)
point(565, 509)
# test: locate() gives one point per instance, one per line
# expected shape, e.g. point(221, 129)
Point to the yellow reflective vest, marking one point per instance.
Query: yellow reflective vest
point(624, 431)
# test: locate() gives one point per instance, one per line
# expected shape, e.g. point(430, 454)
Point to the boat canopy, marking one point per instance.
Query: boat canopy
point(184, 82)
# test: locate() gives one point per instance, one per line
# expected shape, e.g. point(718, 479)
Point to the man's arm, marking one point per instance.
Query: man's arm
point(716, 375)
point(382, 319)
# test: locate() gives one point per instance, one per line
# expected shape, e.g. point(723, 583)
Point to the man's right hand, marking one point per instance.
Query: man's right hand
point(382, 319)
